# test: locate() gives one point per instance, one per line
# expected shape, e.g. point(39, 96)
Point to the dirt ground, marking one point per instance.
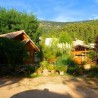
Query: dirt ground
point(48, 87)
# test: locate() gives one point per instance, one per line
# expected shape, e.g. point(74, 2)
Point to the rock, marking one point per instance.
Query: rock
point(87, 66)
point(45, 72)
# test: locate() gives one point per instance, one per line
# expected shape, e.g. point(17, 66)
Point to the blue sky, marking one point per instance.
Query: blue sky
point(56, 10)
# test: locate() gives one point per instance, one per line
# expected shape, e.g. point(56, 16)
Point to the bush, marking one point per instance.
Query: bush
point(12, 54)
point(61, 68)
point(76, 70)
point(50, 67)
point(46, 65)
point(61, 64)
point(93, 71)
point(34, 75)
point(71, 70)
point(64, 62)
point(30, 69)
point(71, 62)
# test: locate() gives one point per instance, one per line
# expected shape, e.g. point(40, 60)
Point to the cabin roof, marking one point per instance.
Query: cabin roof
point(13, 35)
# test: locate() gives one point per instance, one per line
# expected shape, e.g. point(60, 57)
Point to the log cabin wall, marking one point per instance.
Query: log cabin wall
point(29, 49)
point(31, 52)
point(30, 45)
point(79, 54)
point(21, 37)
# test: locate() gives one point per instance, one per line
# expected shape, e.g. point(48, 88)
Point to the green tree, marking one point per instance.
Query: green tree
point(60, 44)
point(12, 20)
point(86, 31)
point(65, 38)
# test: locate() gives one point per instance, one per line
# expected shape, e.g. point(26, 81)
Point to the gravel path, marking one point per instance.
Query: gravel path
point(48, 87)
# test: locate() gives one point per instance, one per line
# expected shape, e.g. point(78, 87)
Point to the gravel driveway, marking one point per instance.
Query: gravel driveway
point(48, 87)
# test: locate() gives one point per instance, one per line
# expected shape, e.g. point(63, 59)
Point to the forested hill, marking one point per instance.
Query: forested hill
point(49, 26)
point(84, 30)
point(52, 23)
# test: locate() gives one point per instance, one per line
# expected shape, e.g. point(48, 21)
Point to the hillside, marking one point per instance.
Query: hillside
point(84, 30)
point(48, 25)
point(51, 24)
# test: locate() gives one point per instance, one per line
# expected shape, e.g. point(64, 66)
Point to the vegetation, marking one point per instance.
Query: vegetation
point(56, 55)
point(84, 30)
point(57, 44)
point(12, 55)
point(12, 20)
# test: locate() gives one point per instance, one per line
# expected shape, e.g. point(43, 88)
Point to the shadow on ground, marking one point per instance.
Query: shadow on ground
point(87, 87)
point(40, 94)
point(4, 81)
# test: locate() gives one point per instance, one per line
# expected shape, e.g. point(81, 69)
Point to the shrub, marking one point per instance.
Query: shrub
point(34, 75)
point(61, 64)
point(60, 68)
point(76, 70)
point(71, 62)
point(30, 69)
point(12, 54)
point(71, 70)
point(50, 67)
point(93, 71)
point(44, 64)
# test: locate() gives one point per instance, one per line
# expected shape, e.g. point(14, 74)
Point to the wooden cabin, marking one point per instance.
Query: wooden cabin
point(79, 53)
point(30, 45)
